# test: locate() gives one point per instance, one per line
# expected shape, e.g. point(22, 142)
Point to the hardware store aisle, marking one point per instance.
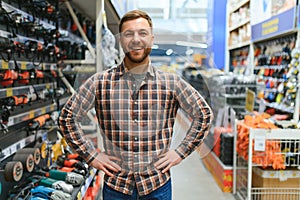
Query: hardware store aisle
point(191, 180)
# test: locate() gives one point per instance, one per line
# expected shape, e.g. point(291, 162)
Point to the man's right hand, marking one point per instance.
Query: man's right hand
point(106, 163)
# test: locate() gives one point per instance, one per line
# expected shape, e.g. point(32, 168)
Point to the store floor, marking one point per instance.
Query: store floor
point(191, 179)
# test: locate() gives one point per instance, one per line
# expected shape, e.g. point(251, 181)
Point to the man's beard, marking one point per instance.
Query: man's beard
point(145, 55)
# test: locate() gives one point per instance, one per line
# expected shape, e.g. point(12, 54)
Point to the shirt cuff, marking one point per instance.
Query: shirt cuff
point(91, 157)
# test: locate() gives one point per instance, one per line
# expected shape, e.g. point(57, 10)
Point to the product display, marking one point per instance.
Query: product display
point(36, 162)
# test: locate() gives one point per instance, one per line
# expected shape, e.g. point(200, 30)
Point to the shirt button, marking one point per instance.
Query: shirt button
point(135, 102)
point(133, 85)
point(135, 138)
point(135, 120)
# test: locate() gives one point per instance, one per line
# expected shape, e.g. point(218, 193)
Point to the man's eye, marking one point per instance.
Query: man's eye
point(143, 34)
point(128, 34)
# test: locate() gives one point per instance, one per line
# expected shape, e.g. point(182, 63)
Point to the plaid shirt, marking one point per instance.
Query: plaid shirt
point(136, 125)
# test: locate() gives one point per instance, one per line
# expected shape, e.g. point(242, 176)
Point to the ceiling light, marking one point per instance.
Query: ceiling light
point(191, 44)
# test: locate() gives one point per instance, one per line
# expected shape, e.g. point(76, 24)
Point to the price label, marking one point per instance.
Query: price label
point(48, 86)
point(43, 110)
point(31, 114)
point(9, 92)
point(250, 99)
point(4, 65)
point(259, 143)
point(23, 65)
point(52, 107)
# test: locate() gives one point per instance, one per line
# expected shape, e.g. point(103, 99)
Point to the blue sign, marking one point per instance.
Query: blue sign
point(276, 25)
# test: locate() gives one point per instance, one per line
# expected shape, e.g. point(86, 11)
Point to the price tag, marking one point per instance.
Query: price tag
point(9, 92)
point(282, 176)
point(23, 65)
point(4, 65)
point(52, 107)
point(31, 114)
point(48, 86)
point(250, 99)
point(262, 106)
point(259, 143)
point(43, 110)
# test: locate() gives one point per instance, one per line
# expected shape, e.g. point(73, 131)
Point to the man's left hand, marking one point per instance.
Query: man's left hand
point(167, 160)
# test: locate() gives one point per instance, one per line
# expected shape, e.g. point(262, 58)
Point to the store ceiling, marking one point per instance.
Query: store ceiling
point(88, 7)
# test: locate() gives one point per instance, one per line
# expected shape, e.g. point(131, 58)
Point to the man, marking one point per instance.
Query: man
point(136, 106)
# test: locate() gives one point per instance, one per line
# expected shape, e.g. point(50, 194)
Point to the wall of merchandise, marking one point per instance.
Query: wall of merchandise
point(35, 38)
point(263, 44)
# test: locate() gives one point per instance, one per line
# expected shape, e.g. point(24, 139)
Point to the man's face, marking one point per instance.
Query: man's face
point(136, 40)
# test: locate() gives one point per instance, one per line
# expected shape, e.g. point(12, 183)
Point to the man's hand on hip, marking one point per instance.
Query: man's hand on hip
point(167, 160)
point(105, 163)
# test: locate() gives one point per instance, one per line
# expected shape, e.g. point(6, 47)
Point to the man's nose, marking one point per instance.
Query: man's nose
point(136, 37)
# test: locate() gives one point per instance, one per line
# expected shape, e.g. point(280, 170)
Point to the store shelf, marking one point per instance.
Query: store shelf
point(13, 120)
point(239, 25)
point(26, 65)
point(20, 90)
point(239, 5)
point(13, 148)
point(239, 45)
point(248, 187)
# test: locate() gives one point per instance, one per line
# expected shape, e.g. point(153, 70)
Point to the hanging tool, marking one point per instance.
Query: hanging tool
point(27, 160)
point(68, 177)
point(52, 183)
point(14, 100)
point(49, 193)
point(66, 162)
point(13, 171)
point(36, 152)
point(39, 122)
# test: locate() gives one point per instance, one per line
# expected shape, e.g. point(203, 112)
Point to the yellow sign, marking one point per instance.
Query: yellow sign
point(250, 100)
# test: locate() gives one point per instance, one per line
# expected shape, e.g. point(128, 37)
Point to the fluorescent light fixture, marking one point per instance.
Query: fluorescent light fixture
point(191, 44)
point(169, 52)
point(155, 46)
point(189, 52)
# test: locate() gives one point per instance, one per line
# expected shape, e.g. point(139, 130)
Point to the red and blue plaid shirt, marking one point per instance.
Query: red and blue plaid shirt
point(136, 125)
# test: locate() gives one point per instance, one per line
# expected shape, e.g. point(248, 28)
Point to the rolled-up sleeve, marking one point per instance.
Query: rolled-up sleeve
point(76, 109)
point(192, 103)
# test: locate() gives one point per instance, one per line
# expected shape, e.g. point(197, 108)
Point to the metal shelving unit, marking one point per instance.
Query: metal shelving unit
point(243, 169)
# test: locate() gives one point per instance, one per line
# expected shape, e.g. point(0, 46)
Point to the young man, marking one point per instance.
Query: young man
point(136, 106)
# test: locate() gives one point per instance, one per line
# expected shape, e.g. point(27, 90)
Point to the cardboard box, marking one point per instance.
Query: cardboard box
point(272, 184)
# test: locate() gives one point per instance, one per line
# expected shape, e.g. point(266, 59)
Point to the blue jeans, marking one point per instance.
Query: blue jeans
point(162, 193)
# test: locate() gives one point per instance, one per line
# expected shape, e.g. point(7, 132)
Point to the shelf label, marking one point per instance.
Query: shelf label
point(259, 143)
point(52, 107)
point(9, 92)
point(250, 99)
point(23, 65)
point(31, 114)
point(43, 110)
point(4, 65)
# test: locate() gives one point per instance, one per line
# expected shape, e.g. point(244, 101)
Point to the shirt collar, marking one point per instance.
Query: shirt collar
point(124, 70)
